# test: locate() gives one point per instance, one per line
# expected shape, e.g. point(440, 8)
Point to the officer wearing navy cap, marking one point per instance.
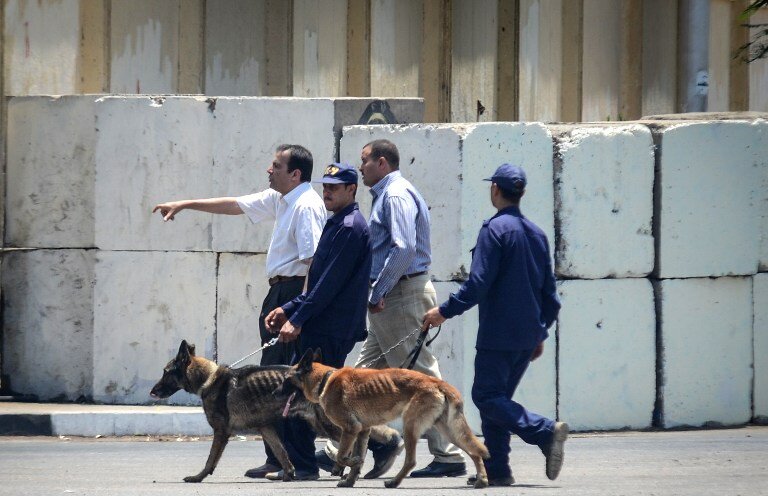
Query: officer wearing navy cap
point(512, 281)
point(330, 313)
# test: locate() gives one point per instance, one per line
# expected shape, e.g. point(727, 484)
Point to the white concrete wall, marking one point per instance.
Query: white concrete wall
point(50, 201)
point(607, 354)
point(706, 341)
point(41, 46)
point(48, 322)
point(710, 193)
point(604, 201)
point(145, 303)
point(760, 344)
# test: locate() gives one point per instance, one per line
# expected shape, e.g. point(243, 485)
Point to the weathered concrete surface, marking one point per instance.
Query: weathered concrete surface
point(240, 290)
point(41, 42)
point(50, 173)
point(48, 322)
point(760, 343)
point(603, 382)
point(164, 154)
point(243, 143)
point(706, 340)
point(604, 196)
point(694, 463)
point(139, 321)
point(700, 164)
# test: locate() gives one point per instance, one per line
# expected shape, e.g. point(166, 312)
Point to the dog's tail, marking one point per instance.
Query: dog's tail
point(458, 426)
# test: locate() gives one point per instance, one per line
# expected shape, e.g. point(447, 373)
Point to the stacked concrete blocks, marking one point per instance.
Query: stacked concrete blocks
point(603, 381)
point(604, 201)
point(708, 196)
point(48, 322)
point(706, 342)
point(144, 304)
point(760, 348)
point(50, 172)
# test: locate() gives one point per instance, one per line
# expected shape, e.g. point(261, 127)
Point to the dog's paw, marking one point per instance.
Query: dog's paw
point(346, 482)
point(391, 483)
point(481, 483)
point(338, 470)
point(193, 478)
point(288, 475)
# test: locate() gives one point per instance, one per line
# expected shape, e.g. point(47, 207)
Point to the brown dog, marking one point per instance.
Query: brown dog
point(243, 400)
point(357, 399)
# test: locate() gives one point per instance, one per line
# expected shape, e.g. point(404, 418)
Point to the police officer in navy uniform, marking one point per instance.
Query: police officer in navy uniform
point(512, 281)
point(330, 313)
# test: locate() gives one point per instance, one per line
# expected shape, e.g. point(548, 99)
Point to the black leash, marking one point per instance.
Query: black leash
point(416, 351)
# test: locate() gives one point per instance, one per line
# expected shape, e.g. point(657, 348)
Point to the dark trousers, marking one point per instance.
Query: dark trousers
point(299, 436)
point(497, 374)
point(281, 353)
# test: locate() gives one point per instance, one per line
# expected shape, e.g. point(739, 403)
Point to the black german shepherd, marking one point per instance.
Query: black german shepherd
point(242, 400)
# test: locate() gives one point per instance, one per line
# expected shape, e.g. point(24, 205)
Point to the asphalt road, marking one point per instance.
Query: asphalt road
point(712, 462)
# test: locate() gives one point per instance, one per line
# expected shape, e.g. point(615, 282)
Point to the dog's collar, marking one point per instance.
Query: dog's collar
point(324, 381)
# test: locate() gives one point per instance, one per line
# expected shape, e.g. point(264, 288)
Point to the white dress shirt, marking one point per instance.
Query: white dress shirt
point(299, 219)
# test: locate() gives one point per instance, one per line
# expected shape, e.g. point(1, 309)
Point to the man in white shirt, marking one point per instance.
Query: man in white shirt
point(299, 214)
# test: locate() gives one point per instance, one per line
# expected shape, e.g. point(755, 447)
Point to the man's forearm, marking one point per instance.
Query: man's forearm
point(225, 205)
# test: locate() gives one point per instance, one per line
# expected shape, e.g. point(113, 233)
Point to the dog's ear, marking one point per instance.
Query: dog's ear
point(305, 364)
point(318, 356)
point(185, 352)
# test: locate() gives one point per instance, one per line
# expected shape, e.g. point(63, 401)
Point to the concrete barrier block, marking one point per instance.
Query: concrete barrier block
point(603, 382)
point(485, 147)
point(604, 196)
point(241, 289)
point(430, 158)
point(152, 150)
point(139, 321)
point(247, 131)
point(700, 164)
point(760, 395)
point(48, 322)
point(706, 341)
point(50, 173)
point(763, 202)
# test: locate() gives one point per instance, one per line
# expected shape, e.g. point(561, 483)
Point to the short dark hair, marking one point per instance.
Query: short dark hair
point(387, 149)
point(512, 195)
point(298, 158)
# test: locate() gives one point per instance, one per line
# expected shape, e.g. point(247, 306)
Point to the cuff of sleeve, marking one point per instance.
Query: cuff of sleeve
point(445, 310)
point(289, 308)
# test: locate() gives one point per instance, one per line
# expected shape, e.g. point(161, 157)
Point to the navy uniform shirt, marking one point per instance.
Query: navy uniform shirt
point(512, 281)
point(335, 302)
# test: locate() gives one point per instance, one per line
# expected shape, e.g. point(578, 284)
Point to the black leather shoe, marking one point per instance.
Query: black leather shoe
point(384, 458)
point(498, 482)
point(440, 469)
point(324, 461)
point(300, 475)
point(262, 471)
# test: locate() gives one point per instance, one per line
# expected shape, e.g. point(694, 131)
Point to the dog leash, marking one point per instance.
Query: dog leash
point(419, 342)
point(269, 343)
point(416, 351)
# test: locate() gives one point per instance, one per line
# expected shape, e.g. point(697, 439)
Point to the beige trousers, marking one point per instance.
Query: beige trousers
point(404, 309)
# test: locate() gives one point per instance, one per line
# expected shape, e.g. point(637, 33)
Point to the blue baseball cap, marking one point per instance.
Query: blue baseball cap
point(338, 173)
point(508, 176)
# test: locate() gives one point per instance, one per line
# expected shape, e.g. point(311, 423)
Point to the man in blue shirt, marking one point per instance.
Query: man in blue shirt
point(512, 281)
point(330, 313)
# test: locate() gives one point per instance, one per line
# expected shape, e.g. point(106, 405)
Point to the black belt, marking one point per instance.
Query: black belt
point(277, 279)
point(411, 276)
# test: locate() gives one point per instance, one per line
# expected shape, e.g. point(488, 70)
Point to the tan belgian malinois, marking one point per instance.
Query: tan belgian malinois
point(358, 399)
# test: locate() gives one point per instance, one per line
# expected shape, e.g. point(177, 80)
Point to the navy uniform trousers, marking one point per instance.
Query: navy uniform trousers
point(299, 436)
point(497, 374)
